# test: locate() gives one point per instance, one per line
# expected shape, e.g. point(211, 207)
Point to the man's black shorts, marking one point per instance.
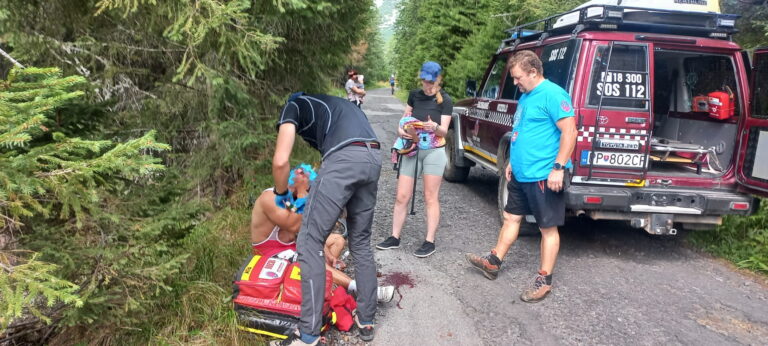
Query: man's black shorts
point(547, 206)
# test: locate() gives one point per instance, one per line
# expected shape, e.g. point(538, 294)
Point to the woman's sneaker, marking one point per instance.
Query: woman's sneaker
point(389, 243)
point(425, 250)
point(385, 294)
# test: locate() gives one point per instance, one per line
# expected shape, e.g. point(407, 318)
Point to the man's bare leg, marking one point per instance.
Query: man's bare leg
point(339, 278)
point(550, 245)
point(334, 245)
point(542, 286)
point(508, 234)
point(490, 264)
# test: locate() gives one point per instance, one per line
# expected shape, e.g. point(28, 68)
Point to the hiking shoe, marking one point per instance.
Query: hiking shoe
point(425, 250)
point(364, 330)
point(483, 263)
point(385, 294)
point(539, 291)
point(292, 340)
point(389, 243)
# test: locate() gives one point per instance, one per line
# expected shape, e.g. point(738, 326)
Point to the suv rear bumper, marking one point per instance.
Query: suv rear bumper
point(692, 203)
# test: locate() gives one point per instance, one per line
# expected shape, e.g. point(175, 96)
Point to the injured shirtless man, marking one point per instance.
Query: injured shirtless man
point(272, 225)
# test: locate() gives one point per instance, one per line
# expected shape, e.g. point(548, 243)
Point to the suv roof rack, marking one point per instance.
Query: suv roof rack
point(624, 18)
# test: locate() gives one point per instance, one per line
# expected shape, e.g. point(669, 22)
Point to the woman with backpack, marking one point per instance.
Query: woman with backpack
point(428, 104)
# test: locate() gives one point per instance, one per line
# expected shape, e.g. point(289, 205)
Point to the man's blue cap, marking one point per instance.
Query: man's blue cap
point(430, 70)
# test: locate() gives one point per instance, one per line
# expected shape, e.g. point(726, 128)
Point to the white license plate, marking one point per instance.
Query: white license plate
point(613, 159)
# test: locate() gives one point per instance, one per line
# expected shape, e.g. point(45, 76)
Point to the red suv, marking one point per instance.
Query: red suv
point(670, 130)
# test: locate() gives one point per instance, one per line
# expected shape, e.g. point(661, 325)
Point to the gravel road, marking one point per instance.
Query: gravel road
point(613, 285)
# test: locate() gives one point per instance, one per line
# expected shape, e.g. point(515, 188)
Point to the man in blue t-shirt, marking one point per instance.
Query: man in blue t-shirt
point(543, 138)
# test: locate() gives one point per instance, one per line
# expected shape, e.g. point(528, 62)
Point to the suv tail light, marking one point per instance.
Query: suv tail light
point(739, 205)
point(593, 200)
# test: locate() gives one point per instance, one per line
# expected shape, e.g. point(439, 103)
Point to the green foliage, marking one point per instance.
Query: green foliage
point(57, 192)
point(461, 36)
point(753, 24)
point(375, 67)
point(740, 239)
point(25, 284)
point(209, 78)
point(430, 30)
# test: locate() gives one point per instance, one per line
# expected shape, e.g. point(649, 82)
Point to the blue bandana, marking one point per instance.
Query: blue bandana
point(307, 169)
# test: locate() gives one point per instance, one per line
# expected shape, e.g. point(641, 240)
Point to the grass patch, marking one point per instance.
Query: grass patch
point(337, 91)
point(198, 310)
point(377, 85)
point(742, 240)
point(402, 95)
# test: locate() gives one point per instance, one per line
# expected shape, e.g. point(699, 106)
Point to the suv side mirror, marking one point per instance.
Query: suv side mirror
point(471, 88)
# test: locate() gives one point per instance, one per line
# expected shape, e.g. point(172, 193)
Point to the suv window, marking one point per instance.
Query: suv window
point(493, 82)
point(621, 80)
point(510, 91)
point(760, 95)
point(707, 73)
point(557, 60)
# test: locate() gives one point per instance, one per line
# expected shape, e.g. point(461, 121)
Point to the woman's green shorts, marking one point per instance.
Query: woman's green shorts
point(431, 162)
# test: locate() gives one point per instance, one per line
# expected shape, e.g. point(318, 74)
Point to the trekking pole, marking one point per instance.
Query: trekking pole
point(415, 179)
point(398, 162)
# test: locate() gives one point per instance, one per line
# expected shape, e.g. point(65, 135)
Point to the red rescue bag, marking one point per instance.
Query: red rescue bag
point(720, 105)
point(267, 294)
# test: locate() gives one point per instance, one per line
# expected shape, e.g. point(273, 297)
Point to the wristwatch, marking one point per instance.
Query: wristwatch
point(558, 167)
point(274, 189)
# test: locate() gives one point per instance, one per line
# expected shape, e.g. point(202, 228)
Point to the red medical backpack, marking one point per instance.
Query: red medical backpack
point(267, 293)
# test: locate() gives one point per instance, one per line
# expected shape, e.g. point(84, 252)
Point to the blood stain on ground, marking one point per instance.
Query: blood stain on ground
point(398, 279)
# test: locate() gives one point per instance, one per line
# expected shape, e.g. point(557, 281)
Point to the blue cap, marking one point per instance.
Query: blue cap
point(430, 70)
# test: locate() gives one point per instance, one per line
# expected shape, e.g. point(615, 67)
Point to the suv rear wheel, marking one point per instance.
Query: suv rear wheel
point(453, 173)
point(526, 228)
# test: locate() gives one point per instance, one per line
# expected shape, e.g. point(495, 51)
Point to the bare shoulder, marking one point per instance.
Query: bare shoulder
point(266, 199)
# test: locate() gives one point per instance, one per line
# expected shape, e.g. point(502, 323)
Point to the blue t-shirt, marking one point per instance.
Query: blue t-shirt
point(535, 136)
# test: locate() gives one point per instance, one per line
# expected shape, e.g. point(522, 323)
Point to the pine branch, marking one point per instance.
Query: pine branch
point(7, 56)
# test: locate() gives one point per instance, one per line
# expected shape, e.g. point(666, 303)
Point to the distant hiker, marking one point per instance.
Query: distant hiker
point(392, 83)
point(353, 91)
point(349, 176)
point(426, 104)
point(544, 135)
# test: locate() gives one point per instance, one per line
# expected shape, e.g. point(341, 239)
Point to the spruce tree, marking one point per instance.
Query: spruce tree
point(45, 175)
